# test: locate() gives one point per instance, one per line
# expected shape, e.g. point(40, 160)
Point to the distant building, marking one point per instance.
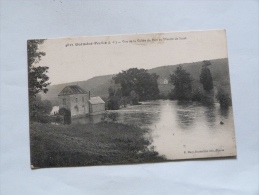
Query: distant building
point(163, 81)
point(76, 102)
point(54, 110)
point(97, 105)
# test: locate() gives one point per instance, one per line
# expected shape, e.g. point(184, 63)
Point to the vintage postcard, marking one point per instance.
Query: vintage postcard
point(129, 99)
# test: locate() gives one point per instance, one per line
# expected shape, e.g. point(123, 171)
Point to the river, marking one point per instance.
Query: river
point(182, 130)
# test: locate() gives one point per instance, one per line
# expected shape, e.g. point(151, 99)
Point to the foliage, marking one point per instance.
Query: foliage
point(42, 109)
point(58, 118)
point(113, 100)
point(37, 74)
point(224, 98)
point(109, 117)
point(64, 111)
point(140, 81)
point(205, 77)
point(163, 96)
point(198, 95)
point(113, 103)
point(111, 92)
point(183, 84)
point(172, 95)
point(134, 98)
point(44, 119)
point(124, 101)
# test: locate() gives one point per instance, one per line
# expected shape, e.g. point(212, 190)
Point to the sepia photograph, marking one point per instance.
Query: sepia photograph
point(124, 99)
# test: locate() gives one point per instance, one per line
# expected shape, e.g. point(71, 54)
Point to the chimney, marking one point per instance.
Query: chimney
point(89, 102)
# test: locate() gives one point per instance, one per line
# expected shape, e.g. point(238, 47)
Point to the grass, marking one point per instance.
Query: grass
point(92, 144)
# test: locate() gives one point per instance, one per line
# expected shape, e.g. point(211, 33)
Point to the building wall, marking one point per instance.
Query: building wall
point(96, 108)
point(163, 81)
point(64, 102)
point(77, 104)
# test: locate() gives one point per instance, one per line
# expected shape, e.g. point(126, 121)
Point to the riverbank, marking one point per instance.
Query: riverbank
point(89, 144)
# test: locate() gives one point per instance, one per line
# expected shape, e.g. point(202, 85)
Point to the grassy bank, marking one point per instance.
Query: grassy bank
point(92, 144)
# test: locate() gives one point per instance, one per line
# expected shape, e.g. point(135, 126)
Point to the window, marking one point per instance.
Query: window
point(83, 99)
point(76, 100)
point(64, 101)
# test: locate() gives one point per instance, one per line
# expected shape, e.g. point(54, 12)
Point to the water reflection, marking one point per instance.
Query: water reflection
point(210, 114)
point(224, 112)
point(205, 132)
point(185, 114)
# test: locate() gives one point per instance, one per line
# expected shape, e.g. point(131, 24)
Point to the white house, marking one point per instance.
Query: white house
point(163, 81)
point(54, 110)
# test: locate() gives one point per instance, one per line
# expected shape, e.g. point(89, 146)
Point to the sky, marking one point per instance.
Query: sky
point(81, 58)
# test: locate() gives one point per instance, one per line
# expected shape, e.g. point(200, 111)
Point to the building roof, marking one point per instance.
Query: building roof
point(71, 90)
point(96, 100)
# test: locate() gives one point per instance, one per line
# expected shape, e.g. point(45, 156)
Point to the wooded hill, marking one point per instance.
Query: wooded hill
point(99, 85)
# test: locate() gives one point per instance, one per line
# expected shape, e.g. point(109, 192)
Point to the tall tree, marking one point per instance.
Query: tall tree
point(113, 100)
point(183, 84)
point(224, 98)
point(140, 81)
point(36, 74)
point(44, 107)
point(205, 77)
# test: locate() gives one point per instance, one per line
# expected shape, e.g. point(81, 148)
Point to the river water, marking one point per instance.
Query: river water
point(182, 130)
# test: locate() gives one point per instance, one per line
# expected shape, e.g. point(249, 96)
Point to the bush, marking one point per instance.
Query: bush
point(113, 103)
point(163, 96)
point(172, 95)
point(58, 119)
point(109, 117)
point(44, 119)
point(224, 98)
point(134, 97)
point(197, 95)
point(182, 81)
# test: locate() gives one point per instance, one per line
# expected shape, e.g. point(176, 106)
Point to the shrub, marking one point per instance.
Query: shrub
point(109, 117)
point(44, 119)
point(197, 95)
point(58, 119)
point(224, 98)
point(182, 82)
point(163, 96)
point(113, 103)
point(172, 95)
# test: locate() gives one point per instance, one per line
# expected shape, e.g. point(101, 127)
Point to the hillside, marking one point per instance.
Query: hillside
point(99, 85)
point(219, 71)
point(218, 68)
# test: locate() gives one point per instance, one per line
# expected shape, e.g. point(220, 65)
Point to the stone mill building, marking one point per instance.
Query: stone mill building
point(76, 102)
